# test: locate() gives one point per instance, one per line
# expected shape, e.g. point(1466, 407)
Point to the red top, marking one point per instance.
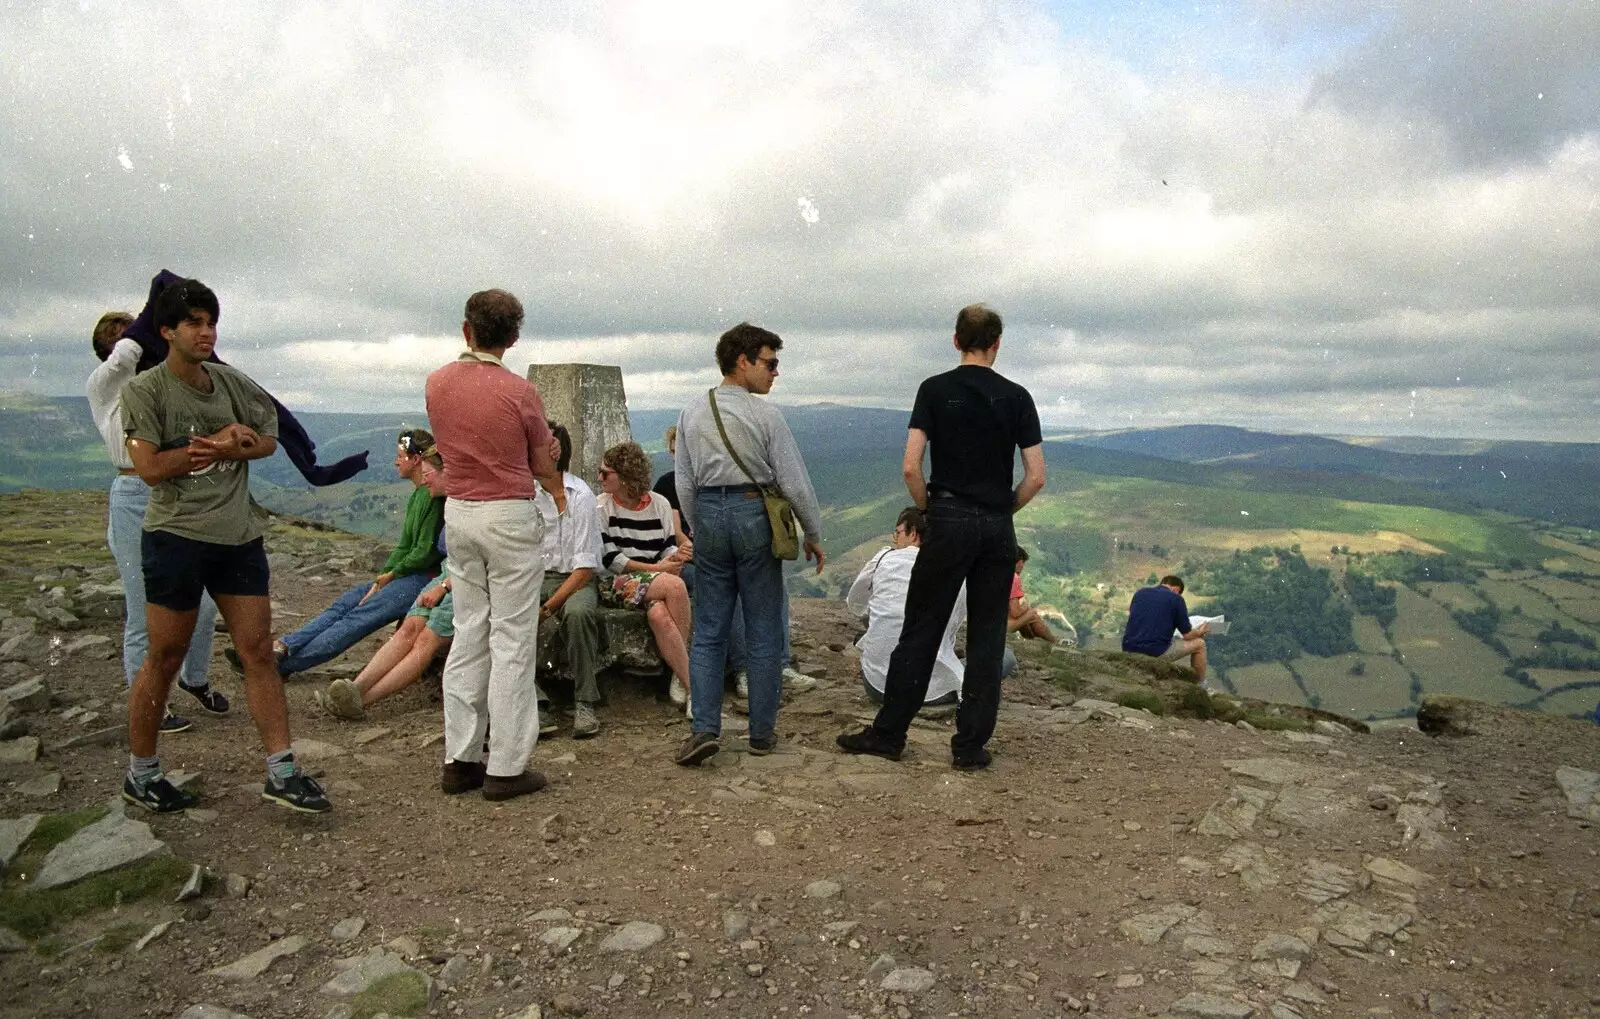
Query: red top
point(1016, 585)
point(490, 428)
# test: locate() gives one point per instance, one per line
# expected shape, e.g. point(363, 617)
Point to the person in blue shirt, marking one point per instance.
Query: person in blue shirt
point(1157, 617)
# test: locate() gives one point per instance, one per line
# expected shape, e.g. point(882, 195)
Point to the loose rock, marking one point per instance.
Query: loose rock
point(113, 841)
point(908, 980)
point(256, 963)
point(633, 936)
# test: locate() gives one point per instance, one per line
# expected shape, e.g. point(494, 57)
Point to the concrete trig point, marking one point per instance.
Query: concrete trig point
point(588, 399)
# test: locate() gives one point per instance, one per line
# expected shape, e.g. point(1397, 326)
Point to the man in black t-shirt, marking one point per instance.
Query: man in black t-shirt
point(974, 419)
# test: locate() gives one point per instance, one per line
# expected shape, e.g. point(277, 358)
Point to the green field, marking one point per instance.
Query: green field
point(1382, 690)
point(1267, 681)
point(1448, 659)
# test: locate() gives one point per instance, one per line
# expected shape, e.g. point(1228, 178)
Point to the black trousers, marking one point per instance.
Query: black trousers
point(964, 544)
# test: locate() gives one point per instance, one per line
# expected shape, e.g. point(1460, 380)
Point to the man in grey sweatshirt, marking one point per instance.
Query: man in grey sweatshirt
point(732, 536)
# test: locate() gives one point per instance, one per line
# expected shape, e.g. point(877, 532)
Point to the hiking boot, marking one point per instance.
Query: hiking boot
point(210, 698)
point(498, 787)
point(297, 792)
point(461, 777)
point(158, 795)
point(344, 701)
point(697, 748)
point(548, 726)
point(976, 760)
point(867, 741)
point(677, 693)
point(762, 747)
point(585, 723)
point(175, 723)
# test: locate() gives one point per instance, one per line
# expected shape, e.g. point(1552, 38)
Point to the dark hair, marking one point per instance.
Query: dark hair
point(182, 299)
point(977, 328)
point(108, 330)
point(628, 459)
point(1022, 554)
point(420, 442)
point(1172, 580)
point(495, 317)
point(745, 339)
point(565, 439)
point(914, 521)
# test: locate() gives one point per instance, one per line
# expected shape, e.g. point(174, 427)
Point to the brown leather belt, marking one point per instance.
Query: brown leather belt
point(128, 471)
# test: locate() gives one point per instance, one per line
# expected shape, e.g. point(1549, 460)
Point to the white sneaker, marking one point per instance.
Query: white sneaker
point(688, 712)
point(741, 682)
point(797, 681)
point(677, 692)
point(584, 721)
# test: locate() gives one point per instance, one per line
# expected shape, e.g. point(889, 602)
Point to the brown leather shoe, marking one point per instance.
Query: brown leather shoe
point(461, 777)
point(503, 787)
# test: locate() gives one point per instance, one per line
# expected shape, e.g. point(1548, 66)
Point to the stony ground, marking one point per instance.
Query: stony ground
point(1111, 862)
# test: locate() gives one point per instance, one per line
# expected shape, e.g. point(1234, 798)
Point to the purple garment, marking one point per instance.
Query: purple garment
point(292, 437)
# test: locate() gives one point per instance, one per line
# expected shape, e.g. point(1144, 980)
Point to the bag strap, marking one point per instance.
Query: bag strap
point(717, 414)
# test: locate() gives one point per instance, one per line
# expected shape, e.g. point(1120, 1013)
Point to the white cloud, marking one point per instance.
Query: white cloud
point(1182, 215)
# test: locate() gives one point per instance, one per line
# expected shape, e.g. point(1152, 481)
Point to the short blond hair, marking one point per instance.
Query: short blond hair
point(108, 331)
point(672, 438)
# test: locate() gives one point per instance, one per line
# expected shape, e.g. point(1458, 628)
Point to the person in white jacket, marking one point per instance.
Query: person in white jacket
point(879, 596)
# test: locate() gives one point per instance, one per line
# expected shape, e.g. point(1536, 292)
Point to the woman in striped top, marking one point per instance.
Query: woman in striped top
point(643, 549)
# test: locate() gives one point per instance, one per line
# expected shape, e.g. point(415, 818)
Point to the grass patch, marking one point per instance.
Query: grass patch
point(34, 914)
point(1145, 700)
point(54, 829)
point(399, 994)
point(1194, 702)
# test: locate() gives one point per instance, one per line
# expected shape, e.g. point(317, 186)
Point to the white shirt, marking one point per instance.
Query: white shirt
point(879, 596)
point(571, 539)
point(105, 399)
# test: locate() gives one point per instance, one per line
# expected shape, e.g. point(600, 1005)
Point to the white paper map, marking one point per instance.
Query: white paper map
point(1219, 624)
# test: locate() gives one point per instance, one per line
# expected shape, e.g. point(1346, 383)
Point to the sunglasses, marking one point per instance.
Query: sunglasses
point(769, 363)
point(606, 472)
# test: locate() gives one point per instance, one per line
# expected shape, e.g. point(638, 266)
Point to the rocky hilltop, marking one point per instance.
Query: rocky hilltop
point(1138, 848)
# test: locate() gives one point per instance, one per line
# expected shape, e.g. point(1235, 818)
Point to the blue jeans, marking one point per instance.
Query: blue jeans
point(129, 497)
point(736, 653)
point(734, 565)
point(349, 619)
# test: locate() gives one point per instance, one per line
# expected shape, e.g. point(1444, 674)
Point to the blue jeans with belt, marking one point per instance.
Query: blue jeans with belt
point(129, 497)
point(964, 544)
point(734, 567)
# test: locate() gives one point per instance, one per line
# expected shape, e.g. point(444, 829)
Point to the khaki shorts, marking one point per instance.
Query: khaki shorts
point(1176, 651)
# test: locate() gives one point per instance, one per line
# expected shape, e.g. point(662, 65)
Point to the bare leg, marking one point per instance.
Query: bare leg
point(169, 634)
point(669, 640)
point(1197, 658)
point(408, 670)
point(1038, 629)
point(670, 591)
point(249, 619)
point(394, 650)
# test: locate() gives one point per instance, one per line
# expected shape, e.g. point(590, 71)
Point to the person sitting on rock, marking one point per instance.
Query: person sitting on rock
point(1158, 626)
point(641, 551)
point(370, 605)
point(879, 596)
point(571, 549)
point(1024, 618)
point(423, 636)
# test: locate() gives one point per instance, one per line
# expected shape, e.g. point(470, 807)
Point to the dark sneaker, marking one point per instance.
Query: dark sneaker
point(158, 795)
point(461, 777)
point(210, 698)
point(762, 747)
point(697, 748)
point(867, 741)
point(297, 792)
point(175, 723)
point(975, 761)
point(509, 787)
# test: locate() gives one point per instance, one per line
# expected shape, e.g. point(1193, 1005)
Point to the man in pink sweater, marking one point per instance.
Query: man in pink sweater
point(489, 425)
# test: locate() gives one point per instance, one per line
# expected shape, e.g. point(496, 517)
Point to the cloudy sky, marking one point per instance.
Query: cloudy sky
point(1318, 215)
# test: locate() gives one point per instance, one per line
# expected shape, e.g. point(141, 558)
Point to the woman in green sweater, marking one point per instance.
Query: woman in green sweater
point(372, 604)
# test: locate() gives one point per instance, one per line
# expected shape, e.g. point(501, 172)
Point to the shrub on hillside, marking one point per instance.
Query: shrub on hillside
point(1278, 607)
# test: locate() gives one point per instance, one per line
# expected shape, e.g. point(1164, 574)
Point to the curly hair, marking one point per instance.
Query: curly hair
point(495, 317)
point(628, 459)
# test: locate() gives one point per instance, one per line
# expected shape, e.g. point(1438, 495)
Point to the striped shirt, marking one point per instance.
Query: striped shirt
point(644, 535)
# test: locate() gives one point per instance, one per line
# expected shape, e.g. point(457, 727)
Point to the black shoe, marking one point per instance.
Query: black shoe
point(297, 792)
point(461, 776)
point(158, 795)
point(175, 723)
point(762, 747)
point(697, 748)
point(976, 761)
point(210, 698)
point(867, 741)
point(509, 787)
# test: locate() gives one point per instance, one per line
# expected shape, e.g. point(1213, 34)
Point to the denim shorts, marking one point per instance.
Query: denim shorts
point(442, 617)
point(177, 570)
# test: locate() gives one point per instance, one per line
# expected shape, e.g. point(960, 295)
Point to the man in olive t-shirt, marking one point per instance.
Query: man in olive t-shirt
point(192, 427)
